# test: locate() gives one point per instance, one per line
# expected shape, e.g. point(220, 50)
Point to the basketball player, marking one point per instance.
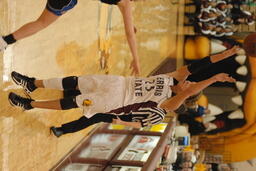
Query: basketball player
point(131, 101)
point(56, 8)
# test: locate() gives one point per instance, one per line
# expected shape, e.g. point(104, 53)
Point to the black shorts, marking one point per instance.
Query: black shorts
point(59, 7)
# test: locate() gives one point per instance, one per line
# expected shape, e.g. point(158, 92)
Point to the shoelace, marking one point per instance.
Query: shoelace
point(24, 84)
point(22, 105)
point(15, 102)
point(27, 94)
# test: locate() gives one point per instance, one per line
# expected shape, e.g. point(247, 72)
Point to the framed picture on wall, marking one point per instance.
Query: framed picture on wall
point(139, 148)
point(101, 146)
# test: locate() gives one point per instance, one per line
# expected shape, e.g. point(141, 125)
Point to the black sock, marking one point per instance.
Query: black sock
point(9, 39)
point(60, 129)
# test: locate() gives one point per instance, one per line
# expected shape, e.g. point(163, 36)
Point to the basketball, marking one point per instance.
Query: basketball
point(249, 45)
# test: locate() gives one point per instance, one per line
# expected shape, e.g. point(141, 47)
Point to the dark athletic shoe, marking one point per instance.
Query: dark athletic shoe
point(16, 100)
point(56, 131)
point(26, 82)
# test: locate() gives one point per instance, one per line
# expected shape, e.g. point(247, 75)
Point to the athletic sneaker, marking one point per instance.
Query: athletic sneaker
point(56, 131)
point(16, 100)
point(3, 44)
point(26, 82)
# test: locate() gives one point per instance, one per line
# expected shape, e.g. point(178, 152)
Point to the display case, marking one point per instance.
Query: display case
point(120, 148)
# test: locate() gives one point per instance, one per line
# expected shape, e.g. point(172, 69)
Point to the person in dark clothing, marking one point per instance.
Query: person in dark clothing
point(242, 17)
point(194, 127)
point(222, 123)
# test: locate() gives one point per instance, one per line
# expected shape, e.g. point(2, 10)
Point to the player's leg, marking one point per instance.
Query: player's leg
point(182, 73)
point(27, 103)
point(69, 85)
point(81, 123)
point(33, 27)
point(29, 29)
point(54, 9)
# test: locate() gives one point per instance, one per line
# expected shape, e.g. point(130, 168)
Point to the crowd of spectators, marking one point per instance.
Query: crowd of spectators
point(220, 17)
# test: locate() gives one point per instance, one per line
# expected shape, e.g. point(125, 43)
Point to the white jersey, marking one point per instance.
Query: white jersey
point(111, 92)
point(154, 88)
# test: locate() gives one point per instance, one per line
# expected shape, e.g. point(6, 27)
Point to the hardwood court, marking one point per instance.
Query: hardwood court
point(87, 40)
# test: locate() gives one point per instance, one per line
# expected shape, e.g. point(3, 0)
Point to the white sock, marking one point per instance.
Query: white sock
point(53, 83)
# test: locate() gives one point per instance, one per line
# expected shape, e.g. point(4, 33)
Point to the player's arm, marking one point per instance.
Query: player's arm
point(126, 11)
point(131, 124)
point(182, 73)
point(152, 119)
point(173, 103)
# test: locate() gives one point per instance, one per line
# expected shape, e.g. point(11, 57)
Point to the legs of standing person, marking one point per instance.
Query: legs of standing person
point(54, 9)
point(33, 27)
point(82, 123)
point(192, 20)
point(29, 29)
point(195, 25)
point(30, 84)
point(190, 15)
point(69, 85)
point(28, 103)
point(194, 2)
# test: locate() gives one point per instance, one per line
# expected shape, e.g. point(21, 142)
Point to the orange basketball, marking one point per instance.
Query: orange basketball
point(250, 45)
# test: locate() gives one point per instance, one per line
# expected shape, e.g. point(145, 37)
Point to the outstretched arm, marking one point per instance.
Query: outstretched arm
point(131, 124)
point(126, 10)
point(223, 55)
point(182, 73)
point(174, 102)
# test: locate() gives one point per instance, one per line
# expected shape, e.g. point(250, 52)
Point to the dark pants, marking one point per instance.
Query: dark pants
point(197, 3)
point(85, 122)
point(193, 21)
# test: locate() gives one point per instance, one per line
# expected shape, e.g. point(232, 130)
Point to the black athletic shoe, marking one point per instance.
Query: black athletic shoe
point(56, 131)
point(26, 82)
point(16, 100)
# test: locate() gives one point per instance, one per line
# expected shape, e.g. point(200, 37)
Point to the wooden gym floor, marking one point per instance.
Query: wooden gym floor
point(87, 40)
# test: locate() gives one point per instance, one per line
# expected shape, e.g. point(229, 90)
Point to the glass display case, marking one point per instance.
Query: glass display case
point(120, 148)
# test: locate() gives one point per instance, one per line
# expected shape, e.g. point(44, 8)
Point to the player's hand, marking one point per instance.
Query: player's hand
point(135, 66)
point(234, 50)
point(183, 85)
point(223, 77)
point(116, 121)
